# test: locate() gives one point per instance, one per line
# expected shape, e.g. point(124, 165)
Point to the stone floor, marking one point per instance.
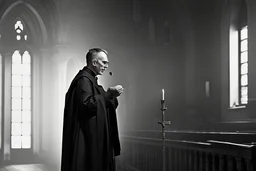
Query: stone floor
point(26, 167)
point(41, 167)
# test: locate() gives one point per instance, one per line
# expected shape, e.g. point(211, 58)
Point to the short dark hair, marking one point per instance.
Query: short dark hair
point(92, 52)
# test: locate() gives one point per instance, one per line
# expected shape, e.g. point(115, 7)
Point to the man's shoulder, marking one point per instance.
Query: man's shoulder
point(83, 79)
point(81, 75)
point(84, 82)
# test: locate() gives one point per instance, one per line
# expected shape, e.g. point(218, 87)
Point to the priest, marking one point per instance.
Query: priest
point(90, 131)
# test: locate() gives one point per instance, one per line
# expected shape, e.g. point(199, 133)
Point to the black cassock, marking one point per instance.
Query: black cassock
point(90, 132)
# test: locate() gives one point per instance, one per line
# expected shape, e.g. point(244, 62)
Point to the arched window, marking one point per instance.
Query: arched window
point(238, 57)
point(23, 34)
point(21, 91)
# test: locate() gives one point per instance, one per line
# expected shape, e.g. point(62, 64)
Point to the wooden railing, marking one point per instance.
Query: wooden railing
point(145, 154)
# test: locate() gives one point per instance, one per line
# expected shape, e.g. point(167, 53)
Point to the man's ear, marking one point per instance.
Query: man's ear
point(94, 62)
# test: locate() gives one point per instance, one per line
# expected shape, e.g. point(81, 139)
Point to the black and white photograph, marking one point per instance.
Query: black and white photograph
point(127, 85)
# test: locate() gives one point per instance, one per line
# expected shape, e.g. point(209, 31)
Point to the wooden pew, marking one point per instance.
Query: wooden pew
point(145, 154)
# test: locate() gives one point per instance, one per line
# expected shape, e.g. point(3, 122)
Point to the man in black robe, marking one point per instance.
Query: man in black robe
point(90, 132)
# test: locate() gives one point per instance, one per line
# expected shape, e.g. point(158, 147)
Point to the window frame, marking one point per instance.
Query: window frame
point(238, 22)
point(240, 64)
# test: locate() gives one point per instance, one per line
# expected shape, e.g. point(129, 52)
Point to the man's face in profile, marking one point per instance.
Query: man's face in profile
point(101, 63)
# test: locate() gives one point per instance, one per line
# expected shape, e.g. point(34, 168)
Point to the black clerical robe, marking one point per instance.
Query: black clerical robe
point(90, 131)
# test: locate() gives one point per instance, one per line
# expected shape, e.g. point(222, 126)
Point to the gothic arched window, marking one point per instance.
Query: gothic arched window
point(21, 91)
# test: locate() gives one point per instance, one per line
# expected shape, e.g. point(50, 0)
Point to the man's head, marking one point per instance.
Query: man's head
point(97, 60)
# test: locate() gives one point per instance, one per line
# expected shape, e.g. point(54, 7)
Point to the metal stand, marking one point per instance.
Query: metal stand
point(163, 123)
